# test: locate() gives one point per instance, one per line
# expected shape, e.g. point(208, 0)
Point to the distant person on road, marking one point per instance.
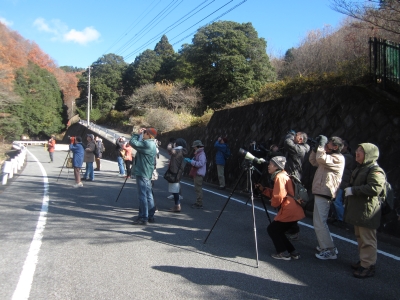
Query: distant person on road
point(221, 156)
point(51, 147)
point(89, 158)
point(289, 211)
point(198, 171)
point(129, 158)
point(98, 152)
point(77, 160)
point(176, 165)
point(363, 208)
point(144, 144)
point(120, 153)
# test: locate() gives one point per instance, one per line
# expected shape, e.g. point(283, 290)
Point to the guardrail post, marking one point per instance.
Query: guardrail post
point(7, 169)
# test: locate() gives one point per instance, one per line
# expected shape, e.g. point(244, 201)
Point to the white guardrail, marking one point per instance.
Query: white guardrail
point(14, 165)
point(106, 133)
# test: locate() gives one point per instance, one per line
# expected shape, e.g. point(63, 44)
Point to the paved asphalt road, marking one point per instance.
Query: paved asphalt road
point(59, 242)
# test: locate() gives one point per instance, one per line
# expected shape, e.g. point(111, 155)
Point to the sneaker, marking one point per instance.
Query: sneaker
point(139, 222)
point(294, 254)
point(319, 249)
point(362, 272)
point(293, 237)
point(151, 220)
point(283, 255)
point(83, 178)
point(196, 205)
point(356, 265)
point(326, 254)
point(96, 169)
point(76, 185)
point(121, 175)
point(170, 197)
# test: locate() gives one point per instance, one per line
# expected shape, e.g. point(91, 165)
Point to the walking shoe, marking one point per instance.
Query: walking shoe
point(326, 254)
point(319, 249)
point(294, 254)
point(151, 220)
point(176, 208)
point(96, 169)
point(76, 185)
point(170, 197)
point(293, 237)
point(121, 175)
point(362, 272)
point(83, 178)
point(282, 255)
point(356, 265)
point(139, 222)
point(221, 188)
point(196, 205)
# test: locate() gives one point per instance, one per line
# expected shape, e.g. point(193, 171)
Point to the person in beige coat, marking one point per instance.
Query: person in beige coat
point(88, 158)
point(327, 178)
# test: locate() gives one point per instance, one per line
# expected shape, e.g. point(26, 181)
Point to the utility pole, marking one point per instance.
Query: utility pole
point(89, 101)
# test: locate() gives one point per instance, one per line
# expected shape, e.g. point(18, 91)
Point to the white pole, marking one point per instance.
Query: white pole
point(88, 106)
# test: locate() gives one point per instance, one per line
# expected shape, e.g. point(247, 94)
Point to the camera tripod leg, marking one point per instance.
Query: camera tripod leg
point(265, 208)
point(226, 203)
point(122, 188)
point(249, 170)
point(249, 173)
point(64, 164)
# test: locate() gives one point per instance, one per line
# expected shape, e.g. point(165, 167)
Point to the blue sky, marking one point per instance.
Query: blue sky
point(77, 33)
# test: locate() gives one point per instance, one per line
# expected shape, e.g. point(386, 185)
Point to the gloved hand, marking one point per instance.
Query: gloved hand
point(348, 192)
point(188, 160)
point(291, 131)
point(321, 142)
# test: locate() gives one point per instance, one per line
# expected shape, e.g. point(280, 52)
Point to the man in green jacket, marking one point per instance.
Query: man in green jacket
point(144, 144)
point(362, 207)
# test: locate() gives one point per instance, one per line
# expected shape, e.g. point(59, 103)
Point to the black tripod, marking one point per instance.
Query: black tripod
point(66, 158)
point(248, 167)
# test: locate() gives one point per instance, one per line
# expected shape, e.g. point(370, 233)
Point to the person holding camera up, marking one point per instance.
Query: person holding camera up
point(223, 151)
point(330, 165)
point(289, 211)
point(118, 147)
point(89, 158)
point(77, 159)
point(143, 143)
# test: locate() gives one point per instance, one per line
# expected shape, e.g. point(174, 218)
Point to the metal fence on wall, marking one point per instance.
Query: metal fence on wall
point(384, 61)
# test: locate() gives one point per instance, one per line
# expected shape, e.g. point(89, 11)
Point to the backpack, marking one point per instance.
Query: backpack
point(227, 153)
point(386, 199)
point(300, 192)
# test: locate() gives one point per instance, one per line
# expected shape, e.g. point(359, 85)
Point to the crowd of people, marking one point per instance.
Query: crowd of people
point(341, 184)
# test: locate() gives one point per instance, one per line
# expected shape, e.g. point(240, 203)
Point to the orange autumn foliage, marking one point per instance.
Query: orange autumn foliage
point(15, 52)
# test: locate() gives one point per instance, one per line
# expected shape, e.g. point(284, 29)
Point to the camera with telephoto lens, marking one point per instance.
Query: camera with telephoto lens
point(248, 156)
point(72, 139)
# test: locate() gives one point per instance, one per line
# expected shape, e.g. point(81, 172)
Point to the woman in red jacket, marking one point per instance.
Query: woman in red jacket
point(289, 211)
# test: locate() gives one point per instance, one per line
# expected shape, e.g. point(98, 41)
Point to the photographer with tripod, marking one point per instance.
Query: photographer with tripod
point(77, 159)
point(289, 211)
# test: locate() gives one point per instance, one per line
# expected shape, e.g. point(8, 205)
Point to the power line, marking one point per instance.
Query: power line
point(208, 22)
point(132, 26)
point(162, 18)
point(166, 31)
point(121, 49)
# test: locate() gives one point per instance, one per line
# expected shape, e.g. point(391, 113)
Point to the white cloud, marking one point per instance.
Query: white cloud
point(88, 34)
point(61, 32)
point(6, 22)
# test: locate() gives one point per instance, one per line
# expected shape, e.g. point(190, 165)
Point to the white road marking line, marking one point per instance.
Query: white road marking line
point(301, 223)
point(24, 285)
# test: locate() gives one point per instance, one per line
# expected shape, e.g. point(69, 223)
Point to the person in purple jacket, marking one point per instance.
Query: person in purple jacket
point(198, 171)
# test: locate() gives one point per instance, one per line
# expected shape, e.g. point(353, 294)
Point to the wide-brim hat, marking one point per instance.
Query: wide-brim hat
point(197, 143)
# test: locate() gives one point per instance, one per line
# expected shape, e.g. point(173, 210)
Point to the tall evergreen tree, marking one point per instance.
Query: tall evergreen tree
point(229, 62)
point(41, 109)
point(106, 83)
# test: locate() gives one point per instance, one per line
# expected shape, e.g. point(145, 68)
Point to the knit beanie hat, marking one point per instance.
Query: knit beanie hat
point(279, 161)
point(151, 131)
point(180, 142)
